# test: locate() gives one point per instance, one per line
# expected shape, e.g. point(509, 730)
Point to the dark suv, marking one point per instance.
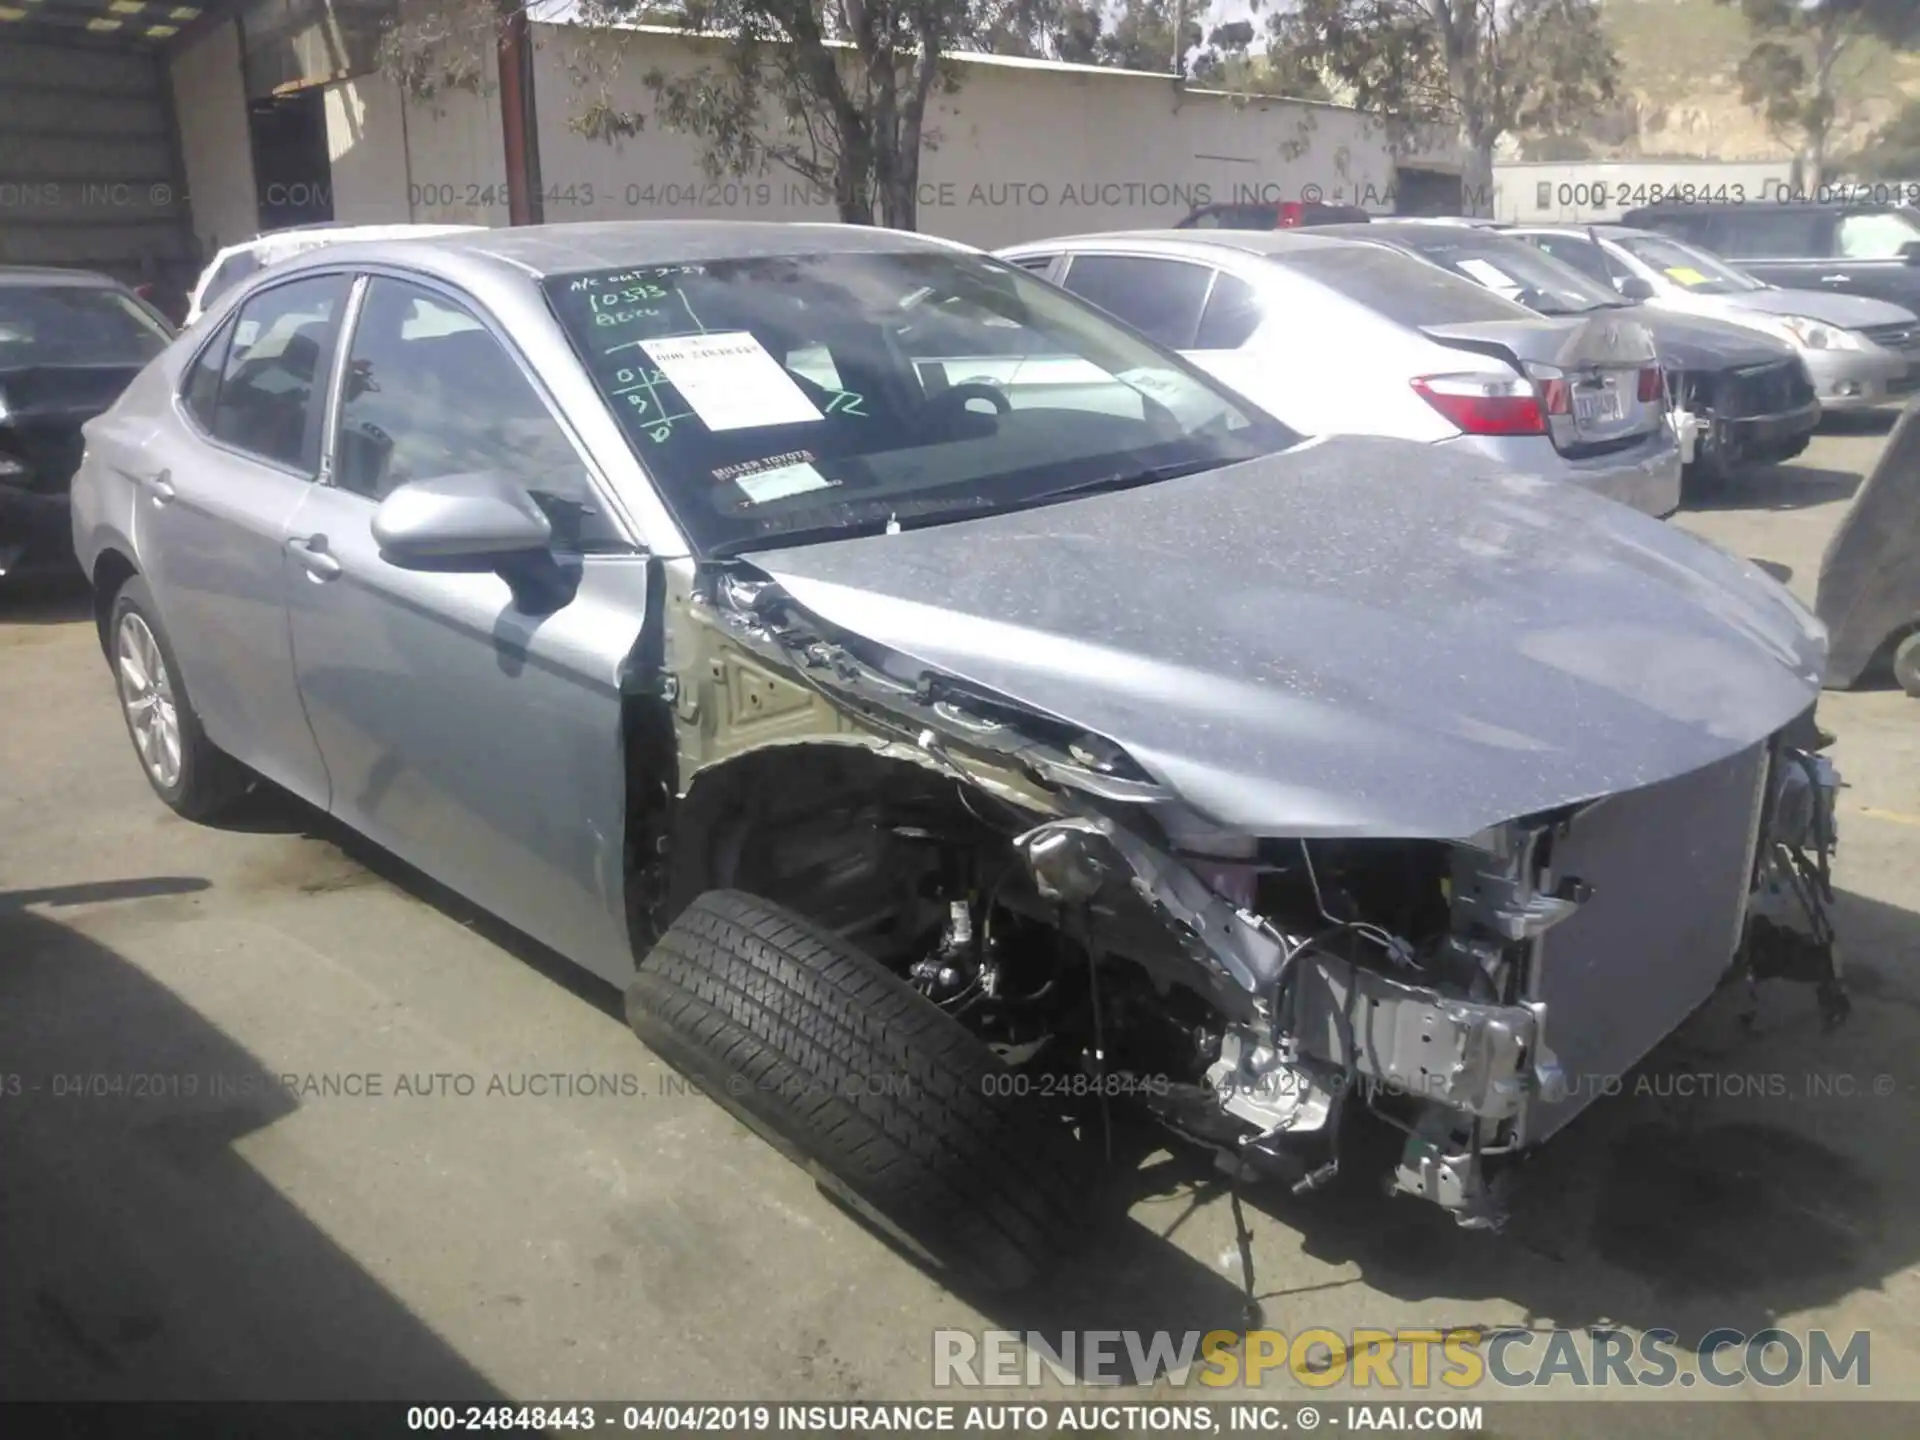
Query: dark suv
point(1871, 250)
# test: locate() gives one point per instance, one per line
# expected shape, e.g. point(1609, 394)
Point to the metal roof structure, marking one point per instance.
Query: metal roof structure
point(143, 23)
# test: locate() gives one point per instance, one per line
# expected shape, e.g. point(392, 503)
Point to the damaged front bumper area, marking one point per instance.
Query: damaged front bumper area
point(1475, 994)
point(1571, 946)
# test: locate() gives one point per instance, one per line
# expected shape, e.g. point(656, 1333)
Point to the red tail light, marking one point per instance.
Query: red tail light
point(1292, 213)
point(1651, 386)
point(1488, 404)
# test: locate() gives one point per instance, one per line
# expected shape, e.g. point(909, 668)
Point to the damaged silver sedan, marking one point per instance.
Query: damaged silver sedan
point(952, 718)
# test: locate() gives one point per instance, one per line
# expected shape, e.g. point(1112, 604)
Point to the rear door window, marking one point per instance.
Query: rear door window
point(1162, 299)
point(1406, 291)
point(1761, 234)
point(201, 392)
point(274, 378)
point(1233, 313)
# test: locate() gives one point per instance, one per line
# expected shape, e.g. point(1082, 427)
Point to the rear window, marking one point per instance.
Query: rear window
point(1406, 291)
point(75, 325)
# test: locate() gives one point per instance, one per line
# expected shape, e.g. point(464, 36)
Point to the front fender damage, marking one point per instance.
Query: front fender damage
point(1445, 1034)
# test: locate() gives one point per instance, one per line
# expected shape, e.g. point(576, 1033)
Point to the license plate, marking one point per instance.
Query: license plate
point(1597, 407)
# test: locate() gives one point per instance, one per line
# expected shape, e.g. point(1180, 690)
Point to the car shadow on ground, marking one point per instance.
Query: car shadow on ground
point(145, 1258)
point(1776, 487)
point(45, 599)
point(1877, 421)
point(1752, 1167)
point(1136, 1276)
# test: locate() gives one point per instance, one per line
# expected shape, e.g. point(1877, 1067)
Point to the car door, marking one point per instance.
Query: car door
point(473, 733)
point(223, 476)
point(1780, 245)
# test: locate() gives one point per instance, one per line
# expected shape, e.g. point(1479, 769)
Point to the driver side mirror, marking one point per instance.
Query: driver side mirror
point(474, 523)
point(1636, 288)
point(468, 522)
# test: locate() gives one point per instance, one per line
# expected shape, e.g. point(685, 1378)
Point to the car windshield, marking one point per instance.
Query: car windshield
point(1697, 271)
point(1516, 270)
point(781, 399)
point(75, 325)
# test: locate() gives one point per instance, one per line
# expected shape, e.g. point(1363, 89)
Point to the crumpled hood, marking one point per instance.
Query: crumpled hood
point(1700, 342)
point(1358, 636)
point(1849, 312)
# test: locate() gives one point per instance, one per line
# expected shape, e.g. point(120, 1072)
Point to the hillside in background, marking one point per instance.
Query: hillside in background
point(1681, 96)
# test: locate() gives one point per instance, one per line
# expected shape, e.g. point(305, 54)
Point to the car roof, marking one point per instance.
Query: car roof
point(52, 275)
point(1387, 231)
point(538, 251)
point(1246, 242)
point(1605, 229)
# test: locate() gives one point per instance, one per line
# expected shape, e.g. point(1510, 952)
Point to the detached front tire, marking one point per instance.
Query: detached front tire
point(887, 1101)
point(194, 777)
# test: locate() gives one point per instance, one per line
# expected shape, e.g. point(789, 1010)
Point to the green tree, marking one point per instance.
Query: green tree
point(1804, 62)
point(1893, 151)
point(833, 91)
point(1491, 67)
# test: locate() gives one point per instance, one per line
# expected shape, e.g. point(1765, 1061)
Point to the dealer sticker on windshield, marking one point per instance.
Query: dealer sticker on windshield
point(730, 381)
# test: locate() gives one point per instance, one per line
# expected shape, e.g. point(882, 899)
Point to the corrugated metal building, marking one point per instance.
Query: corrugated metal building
point(90, 170)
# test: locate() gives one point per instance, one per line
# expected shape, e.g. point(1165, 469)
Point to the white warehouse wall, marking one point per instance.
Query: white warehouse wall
point(432, 161)
point(1021, 151)
point(210, 102)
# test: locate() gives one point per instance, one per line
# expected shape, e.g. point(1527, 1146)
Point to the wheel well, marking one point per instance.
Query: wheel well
point(110, 572)
point(852, 838)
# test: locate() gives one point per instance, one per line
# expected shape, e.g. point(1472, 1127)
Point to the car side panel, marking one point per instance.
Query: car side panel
point(478, 742)
point(213, 552)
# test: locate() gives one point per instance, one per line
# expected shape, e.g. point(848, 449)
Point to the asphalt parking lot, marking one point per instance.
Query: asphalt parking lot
point(490, 1224)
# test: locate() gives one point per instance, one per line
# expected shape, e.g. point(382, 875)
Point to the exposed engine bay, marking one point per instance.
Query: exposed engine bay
point(1256, 993)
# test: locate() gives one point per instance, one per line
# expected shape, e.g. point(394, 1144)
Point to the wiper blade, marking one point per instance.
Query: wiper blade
point(798, 535)
point(1125, 479)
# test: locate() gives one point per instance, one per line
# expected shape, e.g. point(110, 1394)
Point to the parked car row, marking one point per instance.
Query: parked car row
point(948, 713)
point(1335, 337)
point(1745, 396)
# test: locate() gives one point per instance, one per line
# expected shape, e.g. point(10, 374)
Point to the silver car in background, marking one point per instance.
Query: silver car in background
point(681, 594)
point(1861, 352)
point(1339, 338)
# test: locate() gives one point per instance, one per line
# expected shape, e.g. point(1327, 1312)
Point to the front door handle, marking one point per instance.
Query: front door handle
point(312, 553)
point(159, 486)
point(1835, 279)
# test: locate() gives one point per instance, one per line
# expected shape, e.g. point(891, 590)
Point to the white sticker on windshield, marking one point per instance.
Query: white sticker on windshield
point(730, 381)
point(1488, 274)
point(780, 482)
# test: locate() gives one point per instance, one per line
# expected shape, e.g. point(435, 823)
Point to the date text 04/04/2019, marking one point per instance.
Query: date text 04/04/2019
point(1049, 1418)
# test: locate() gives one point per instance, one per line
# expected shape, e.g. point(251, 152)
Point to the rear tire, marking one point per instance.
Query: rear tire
point(889, 1102)
point(195, 778)
point(1906, 664)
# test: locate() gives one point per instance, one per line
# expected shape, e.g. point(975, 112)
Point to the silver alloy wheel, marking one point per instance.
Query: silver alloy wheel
point(146, 693)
